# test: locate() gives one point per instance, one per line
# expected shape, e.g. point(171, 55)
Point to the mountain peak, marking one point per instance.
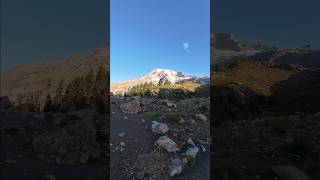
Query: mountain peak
point(154, 76)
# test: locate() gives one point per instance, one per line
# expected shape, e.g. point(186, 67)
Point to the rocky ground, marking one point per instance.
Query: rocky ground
point(155, 138)
point(283, 147)
point(53, 145)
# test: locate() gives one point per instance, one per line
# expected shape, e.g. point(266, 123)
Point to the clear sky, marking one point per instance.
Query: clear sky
point(149, 34)
point(281, 23)
point(40, 30)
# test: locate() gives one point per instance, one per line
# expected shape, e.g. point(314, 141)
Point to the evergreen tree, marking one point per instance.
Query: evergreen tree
point(89, 88)
point(75, 95)
point(58, 99)
point(48, 104)
point(101, 90)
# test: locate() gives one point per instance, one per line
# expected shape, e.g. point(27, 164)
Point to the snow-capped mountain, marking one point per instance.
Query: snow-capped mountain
point(154, 76)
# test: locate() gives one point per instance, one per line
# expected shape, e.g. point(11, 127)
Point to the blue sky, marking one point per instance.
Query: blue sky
point(148, 34)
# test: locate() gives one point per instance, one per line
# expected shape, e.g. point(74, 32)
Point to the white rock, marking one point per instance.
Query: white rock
point(49, 177)
point(167, 144)
point(170, 104)
point(159, 128)
point(193, 151)
point(181, 121)
point(190, 141)
point(122, 134)
point(175, 167)
point(193, 121)
point(203, 148)
point(201, 117)
point(10, 161)
point(122, 144)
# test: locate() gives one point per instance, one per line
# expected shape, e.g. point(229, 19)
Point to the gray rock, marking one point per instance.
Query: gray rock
point(49, 177)
point(122, 134)
point(167, 144)
point(132, 106)
point(289, 173)
point(201, 117)
point(75, 144)
point(159, 128)
point(170, 104)
point(10, 161)
point(175, 167)
point(192, 151)
point(181, 121)
point(190, 141)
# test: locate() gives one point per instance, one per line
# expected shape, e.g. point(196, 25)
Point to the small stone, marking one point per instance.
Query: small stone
point(175, 167)
point(201, 117)
point(83, 159)
point(49, 177)
point(170, 104)
point(190, 141)
point(203, 148)
point(159, 128)
point(168, 144)
point(181, 121)
point(122, 134)
point(184, 160)
point(122, 144)
point(125, 117)
point(193, 151)
point(10, 161)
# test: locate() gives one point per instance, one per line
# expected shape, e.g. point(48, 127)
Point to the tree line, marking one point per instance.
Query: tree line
point(146, 89)
point(82, 92)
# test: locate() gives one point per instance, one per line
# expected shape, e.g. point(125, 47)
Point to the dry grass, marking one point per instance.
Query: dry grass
point(259, 79)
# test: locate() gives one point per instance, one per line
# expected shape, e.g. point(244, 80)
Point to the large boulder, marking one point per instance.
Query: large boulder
point(167, 144)
point(75, 144)
point(235, 102)
point(170, 93)
point(132, 106)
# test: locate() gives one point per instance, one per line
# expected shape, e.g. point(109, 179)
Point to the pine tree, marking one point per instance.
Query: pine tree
point(48, 104)
point(89, 88)
point(75, 95)
point(58, 99)
point(101, 90)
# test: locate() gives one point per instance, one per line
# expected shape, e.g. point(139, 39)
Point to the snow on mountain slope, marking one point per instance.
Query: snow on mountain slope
point(154, 76)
